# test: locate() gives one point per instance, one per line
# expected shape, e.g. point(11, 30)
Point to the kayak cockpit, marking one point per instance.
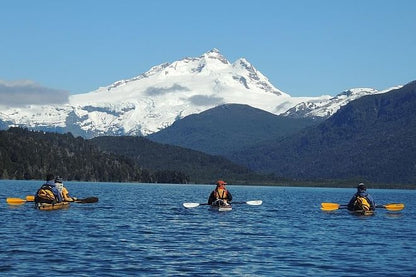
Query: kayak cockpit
point(221, 206)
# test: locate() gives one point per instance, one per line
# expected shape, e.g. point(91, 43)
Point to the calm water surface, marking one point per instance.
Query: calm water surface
point(143, 230)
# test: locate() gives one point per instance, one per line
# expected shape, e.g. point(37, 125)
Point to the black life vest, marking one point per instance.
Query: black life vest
point(361, 204)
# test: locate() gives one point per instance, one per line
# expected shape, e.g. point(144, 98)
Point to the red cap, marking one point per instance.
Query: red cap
point(221, 183)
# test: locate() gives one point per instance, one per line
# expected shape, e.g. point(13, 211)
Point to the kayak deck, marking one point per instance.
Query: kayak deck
point(221, 206)
point(49, 207)
point(362, 212)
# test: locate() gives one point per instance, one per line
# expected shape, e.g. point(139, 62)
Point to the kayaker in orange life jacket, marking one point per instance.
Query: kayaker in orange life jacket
point(220, 192)
point(64, 192)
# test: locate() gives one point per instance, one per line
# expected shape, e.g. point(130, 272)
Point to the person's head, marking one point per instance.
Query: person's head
point(50, 177)
point(59, 183)
point(361, 187)
point(221, 183)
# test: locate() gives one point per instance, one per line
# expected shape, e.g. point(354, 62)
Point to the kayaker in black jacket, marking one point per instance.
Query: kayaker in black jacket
point(361, 200)
point(220, 192)
point(48, 192)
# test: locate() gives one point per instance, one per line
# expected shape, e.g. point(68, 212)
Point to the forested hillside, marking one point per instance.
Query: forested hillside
point(372, 138)
point(28, 154)
point(229, 128)
point(200, 167)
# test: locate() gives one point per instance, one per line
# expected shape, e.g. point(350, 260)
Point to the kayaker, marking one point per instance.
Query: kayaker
point(220, 193)
point(63, 190)
point(48, 192)
point(361, 200)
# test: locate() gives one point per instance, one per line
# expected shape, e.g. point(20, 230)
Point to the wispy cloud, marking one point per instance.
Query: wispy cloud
point(26, 92)
point(159, 91)
point(203, 100)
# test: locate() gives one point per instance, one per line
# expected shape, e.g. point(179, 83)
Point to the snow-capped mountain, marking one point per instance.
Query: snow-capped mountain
point(325, 107)
point(168, 92)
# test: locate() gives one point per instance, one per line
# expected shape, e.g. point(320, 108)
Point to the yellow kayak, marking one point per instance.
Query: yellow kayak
point(49, 207)
point(362, 212)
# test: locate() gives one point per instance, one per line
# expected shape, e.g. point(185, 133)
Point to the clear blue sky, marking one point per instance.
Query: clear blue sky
point(305, 48)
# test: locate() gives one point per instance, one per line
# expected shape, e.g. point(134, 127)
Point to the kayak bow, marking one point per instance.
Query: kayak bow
point(221, 206)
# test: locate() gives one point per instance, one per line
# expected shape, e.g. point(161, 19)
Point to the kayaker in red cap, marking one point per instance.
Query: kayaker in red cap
point(220, 193)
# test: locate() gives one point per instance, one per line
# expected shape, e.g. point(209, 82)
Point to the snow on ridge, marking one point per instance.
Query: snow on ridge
point(326, 107)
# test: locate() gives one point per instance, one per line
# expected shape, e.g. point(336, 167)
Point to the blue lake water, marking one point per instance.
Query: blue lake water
point(143, 230)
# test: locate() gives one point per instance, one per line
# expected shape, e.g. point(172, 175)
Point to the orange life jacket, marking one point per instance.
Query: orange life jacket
point(65, 195)
point(221, 193)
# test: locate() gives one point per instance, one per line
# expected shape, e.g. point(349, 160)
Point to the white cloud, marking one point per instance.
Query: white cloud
point(26, 92)
point(159, 91)
point(204, 100)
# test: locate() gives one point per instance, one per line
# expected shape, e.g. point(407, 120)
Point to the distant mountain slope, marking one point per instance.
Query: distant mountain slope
point(372, 138)
point(228, 128)
point(201, 168)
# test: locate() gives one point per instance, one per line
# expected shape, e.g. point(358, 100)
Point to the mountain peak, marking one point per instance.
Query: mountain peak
point(214, 51)
point(216, 55)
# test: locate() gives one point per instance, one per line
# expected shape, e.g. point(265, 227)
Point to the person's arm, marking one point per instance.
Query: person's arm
point(211, 198)
point(229, 196)
point(66, 197)
point(351, 203)
point(57, 194)
point(371, 201)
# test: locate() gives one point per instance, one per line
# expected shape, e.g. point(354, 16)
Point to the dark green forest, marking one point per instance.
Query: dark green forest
point(199, 166)
point(28, 154)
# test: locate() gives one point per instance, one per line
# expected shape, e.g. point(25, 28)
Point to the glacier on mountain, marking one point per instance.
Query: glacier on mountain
point(155, 99)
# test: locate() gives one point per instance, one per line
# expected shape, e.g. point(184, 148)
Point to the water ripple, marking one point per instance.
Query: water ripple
point(126, 234)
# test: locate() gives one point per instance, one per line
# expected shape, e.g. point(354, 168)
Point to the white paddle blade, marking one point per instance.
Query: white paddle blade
point(255, 202)
point(190, 205)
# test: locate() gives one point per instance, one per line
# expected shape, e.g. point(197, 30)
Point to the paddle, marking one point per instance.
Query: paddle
point(252, 203)
point(193, 205)
point(15, 201)
point(19, 201)
point(91, 199)
point(31, 198)
point(392, 206)
point(336, 206)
